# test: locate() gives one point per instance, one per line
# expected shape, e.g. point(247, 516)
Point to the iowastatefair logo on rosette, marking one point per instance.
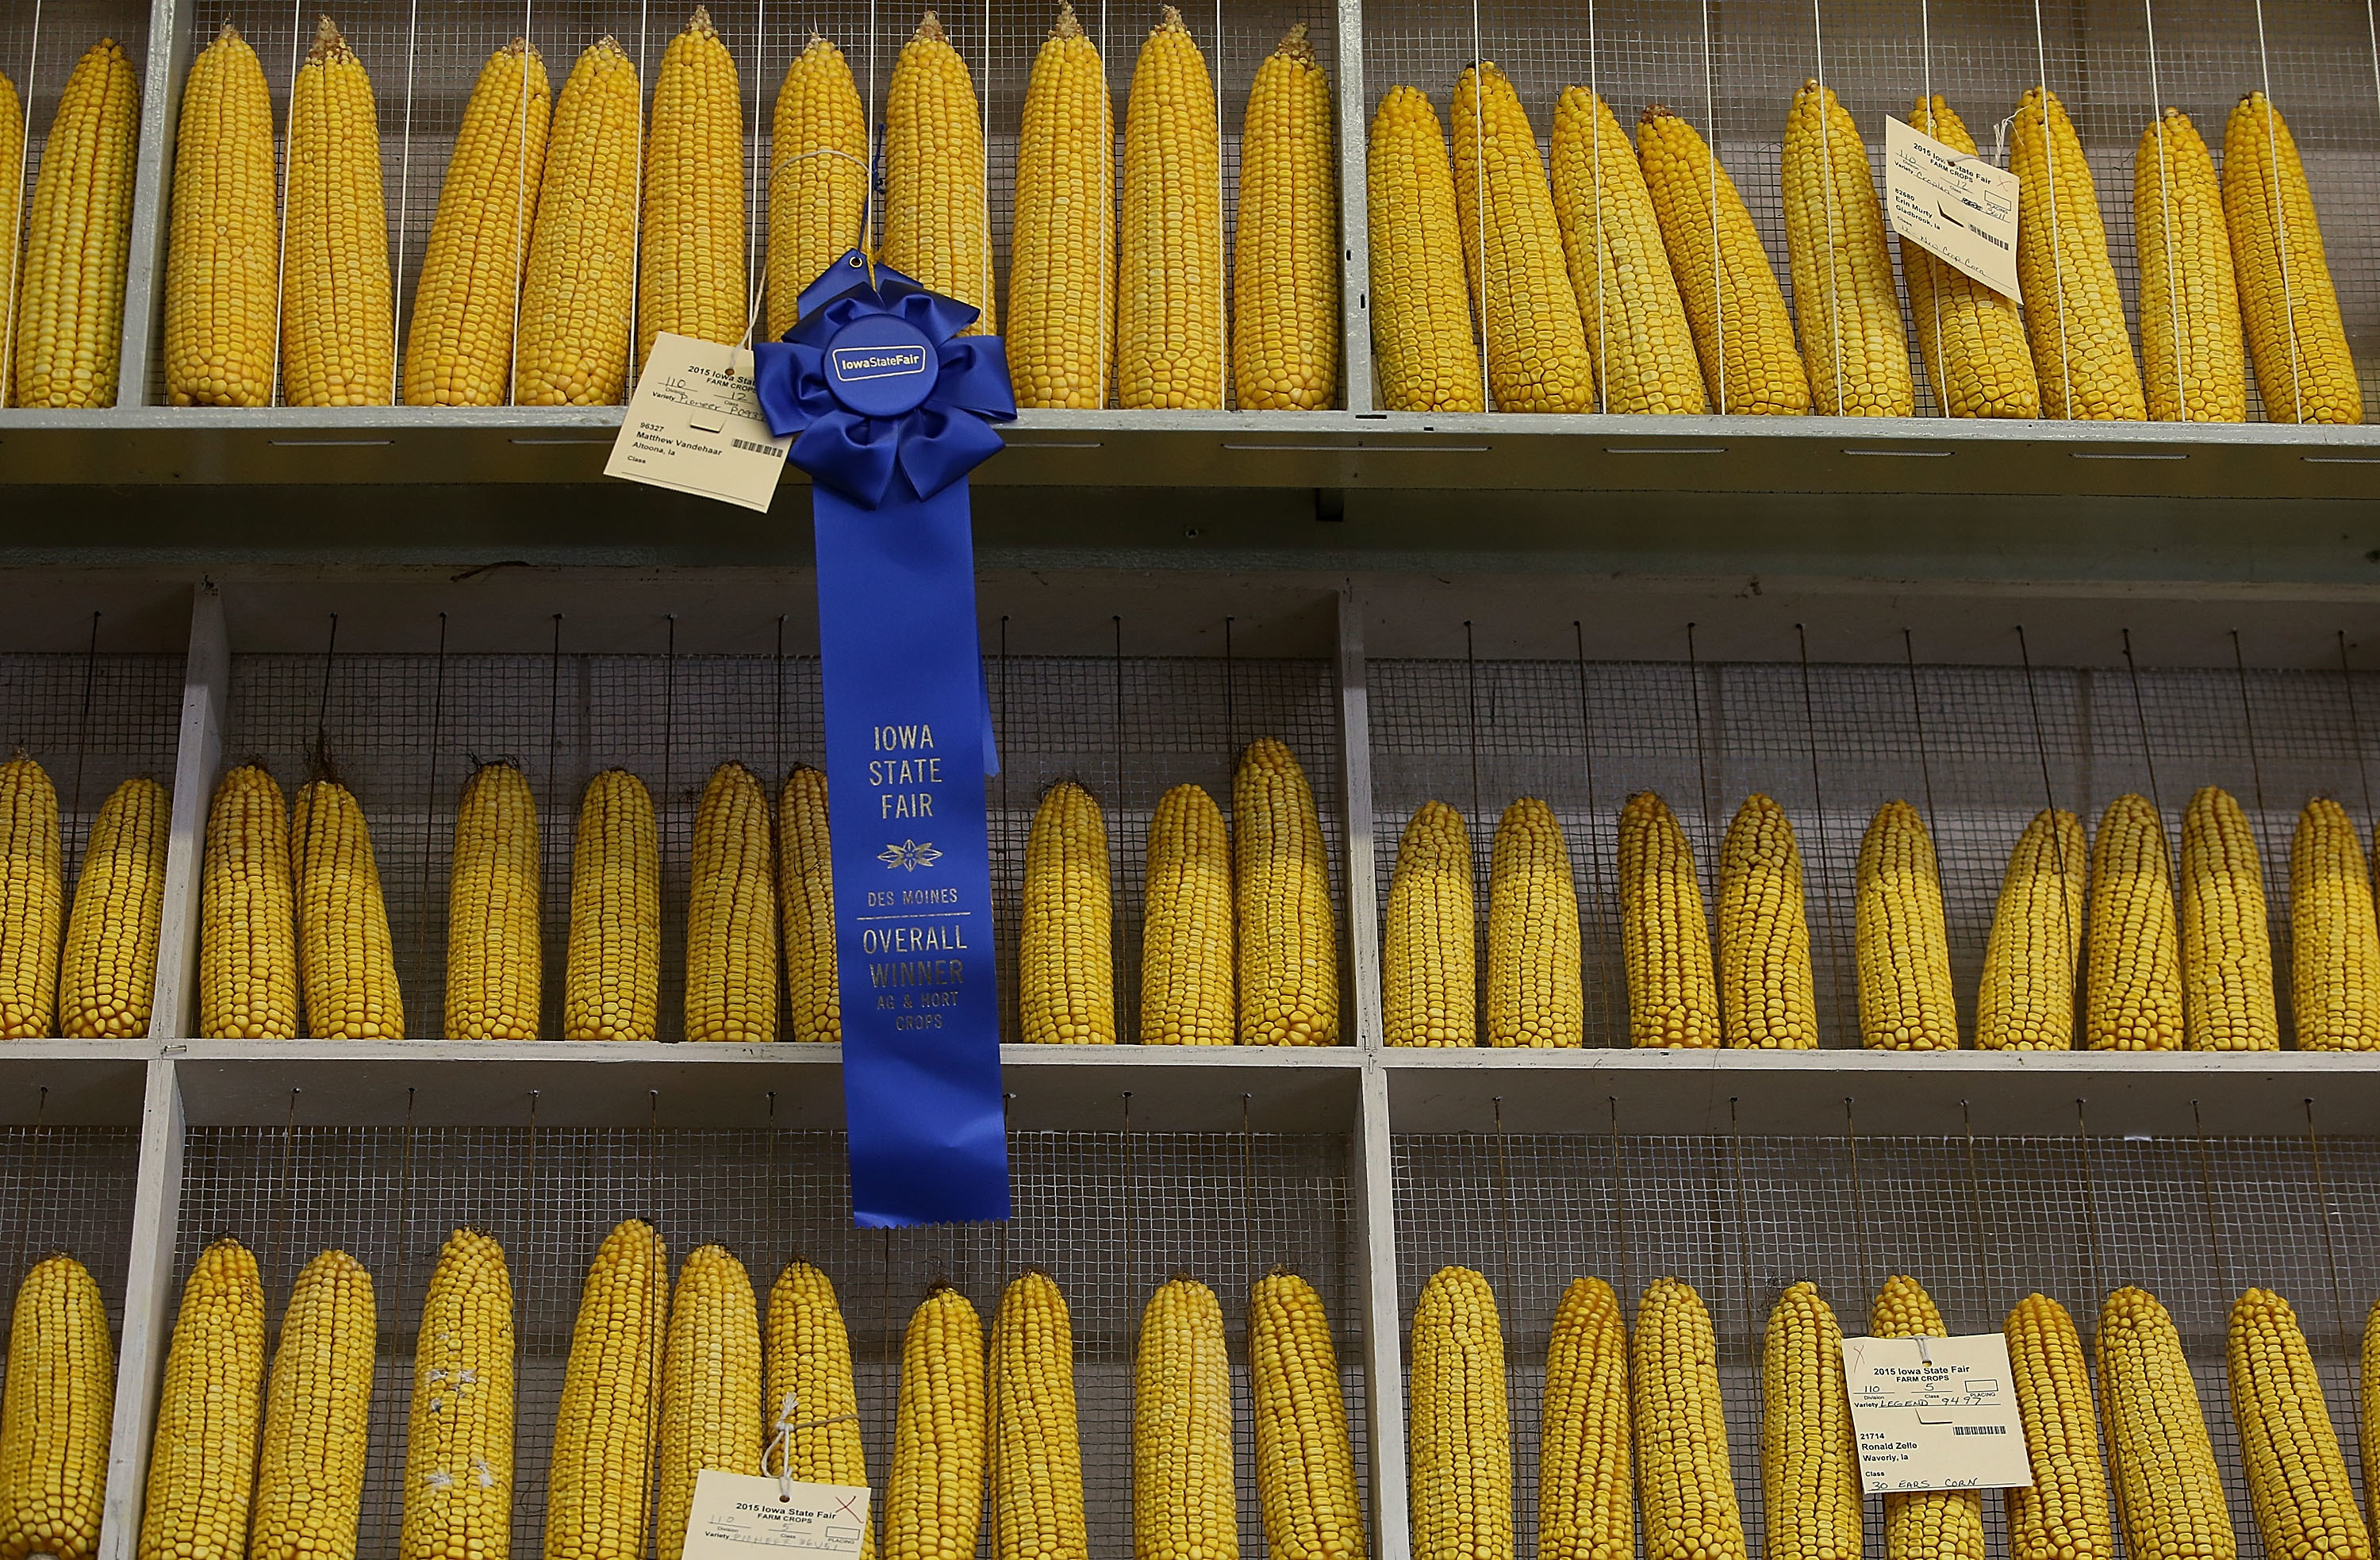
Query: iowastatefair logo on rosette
point(889, 409)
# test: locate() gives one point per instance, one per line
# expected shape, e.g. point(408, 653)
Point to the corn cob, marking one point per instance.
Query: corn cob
point(459, 348)
point(1184, 1505)
point(2074, 313)
point(338, 334)
point(612, 987)
point(581, 284)
point(1742, 331)
point(1533, 997)
point(933, 1498)
point(1306, 1462)
point(1584, 1505)
point(810, 1363)
point(32, 900)
point(1904, 943)
point(1288, 941)
point(711, 1386)
point(1683, 1480)
point(1062, 281)
point(248, 936)
point(2191, 348)
point(2025, 1001)
point(731, 939)
point(1768, 1000)
point(1064, 954)
point(2168, 1491)
point(1530, 324)
point(202, 1454)
point(1185, 934)
point(2297, 1479)
point(492, 963)
point(2227, 948)
point(1809, 1463)
point(69, 322)
point(818, 177)
point(1037, 1452)
point(1429, 992)
point(1970, 338)
point(1170, 326)
point(12, 223)
point(1636, 330)
point(1853, 345)
point(605, 1428)
point(2296, 338)
point(1936, 1525)
point(806, 874)
point(1422, 347)
point(109, 971)
point(693, 281)
point(310, 1476)
point(2064, 1515)
point(222, 254)
point(2132, 999)
point(937, 217)
point(458, 1442)
point(1672, 998)
point(1461, 1430)
point(55, 1415)
point(347, 965)
point(2334, 944)
point(1285, 281)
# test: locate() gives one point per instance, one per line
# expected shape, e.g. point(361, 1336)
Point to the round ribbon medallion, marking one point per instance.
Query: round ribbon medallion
point(880, 365)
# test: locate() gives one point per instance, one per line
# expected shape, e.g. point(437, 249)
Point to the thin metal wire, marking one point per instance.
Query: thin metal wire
point(2280, 219)
point(405, 211)
point(1470, 696)
point(1826, 203)
point(2207, 1192)
point(1709, 856)
point(2165, 215)
point(2355, 727)
point(2338, 1296)
point(527, 1212)
point(1975, 1193)
point(1230, 708)
point(2140, 716)
point(403, 1272)
point(2090, 1199)
point(1933, 124)
point(520, 204)
point(2057, 834)
point(1604, 909)
point(1248, 1193)
point(2256, 775)
point(1718, 266)
point(1594, 152)
point(553, 729)
point(1743, 1252)
point(1620, 1204)
point(1508, 1299)
point(780, 721)
point(323, 707)
point(1917, 715)
point(756, 275)
point(1859, 1197)
point(636, 228)
point(81, 835)
point(668, 704)
point(25, 1188)
point(277, 1258)
point(1479, 201)
point(16, 213)
point(428, 795)
point(2056, 246)
point(1818, 806)
point(1223, 259)
point(288, 160)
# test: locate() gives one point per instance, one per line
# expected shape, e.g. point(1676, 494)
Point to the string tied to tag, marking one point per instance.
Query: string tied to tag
point(781, 1445)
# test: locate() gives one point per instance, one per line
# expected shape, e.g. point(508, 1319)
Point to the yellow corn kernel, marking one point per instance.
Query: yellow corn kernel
point(223, 252)
point(248, 919)
point(2168, 1491)
point(1306, 1462)
point(805, 872)
point(55, 1415)
point(2073, 311)
point(937, 216)
point(2297, 1478)
point(108, 972)
point(32, 900)
point(309, 1475)
point(809, 1361)
point(612, 986)
point(818, 177)
point(711, 1386)
point(1672, 997)
point(1170, 327)
point(1288, 938)
point(69, 322)
point(1849, 311)
point(1422, 351)
point(1533, 995)
point(2064, 1515)
point(1970, 338)
point(1186, 944)
point(2226, 947)
point(458, 1442)
point(693, 281)
point(339, 330)
point(1286, 274)
point(1809, 1462)
point(1637, 329)
point(581, 283)
point(1904, 943)
point(605, 1428)
point(1768, 1000)
point(1683, 1479)
point(1037, 1452)
point(1460, 1434)
point(933, 1498)
point(1429, 983)
point(202, 1454)
point(731, 937)
point(2026, 999)
point(2132, 1000)
point(493, 967)
point(1530, 325)
point(1937, 1524)
point(346, 965)
point(1584, 1505)
point(2296, 338)
point(12, 223)
point(1062, 280)
point(2192, 347)
point(2334, 944)
point(1065, 957)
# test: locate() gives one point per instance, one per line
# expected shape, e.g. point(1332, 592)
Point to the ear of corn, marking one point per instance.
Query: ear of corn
point(202, 1455)
point(612, 985)
point(1904, 943)
point(1742, 332)
point(55, 1415)
point(1586, 1509)
point(1534, 997)
point(1853, 344)
point(580, 289)
point(2169, 1490)
point(1461, 1432)
point(1288, 939)
point(1424, 354)
point(1936, 1525)
point(933, 1498)
point(809, 1361)
point(12, 223)
point(2025, 1001)
point(458, 1442)
point(731, 938)
point(604, 1431)
point(32, 900)
point(338, 331)
point(818, 177)
point(1187, 945)
point(310, 1476)
point(2333, 943)
point(1285, 280)
point(1430, 991)
point(1066, 957)
point(693, 280)
point(247, 931)
point(2133, 1001)
point(1170, 327)
point(69, 326)
point(1809, 1463)
point(1970, 338)
point(1037, 1451)
point(1636, 330)
point(223, 253)
point(1769, 999)
point(937, 216)
point(1534, 336)
point(1672, 998)
point(2064, 1515)
point(2296, 338)
point(1683, 1479)
point(1183, 1504)
point(347, 964)
point(2297, 1478)
point(711, 1386)
point(493, 968)
point(2227, 947)
point(108, 973)
point(1306, 1462)
point(1061, 279)
point(806, 876)
point(2073, 311)
point(2190, 345)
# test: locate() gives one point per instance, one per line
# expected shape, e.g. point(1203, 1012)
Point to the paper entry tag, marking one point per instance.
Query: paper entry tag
point(1934, 1414)
point(695, 425)
point(1951, 205)
point(737, 1516)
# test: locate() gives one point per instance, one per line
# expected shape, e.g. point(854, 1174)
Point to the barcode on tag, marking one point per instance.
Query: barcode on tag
point(1979, 1430)
point(756, 449)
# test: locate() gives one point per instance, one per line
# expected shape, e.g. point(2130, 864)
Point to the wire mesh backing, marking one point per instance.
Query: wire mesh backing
point(92, 721)
point(67, 1189)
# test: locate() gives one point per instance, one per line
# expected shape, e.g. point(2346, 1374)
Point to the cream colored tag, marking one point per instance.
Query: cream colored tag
point(695, 425)
point(1934, 1414)
point(1951, 205)
point(737, 1516)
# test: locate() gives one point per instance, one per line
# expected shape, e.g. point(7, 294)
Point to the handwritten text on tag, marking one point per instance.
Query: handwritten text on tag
point(695, 425)
point(737, 1516)
point(1957, 207)
point(1934, 1414)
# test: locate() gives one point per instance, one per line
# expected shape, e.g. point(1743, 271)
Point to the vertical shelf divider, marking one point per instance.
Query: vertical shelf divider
point(1355, 215)
point(206, 692)
point(152, 179)
point(148, 1290)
